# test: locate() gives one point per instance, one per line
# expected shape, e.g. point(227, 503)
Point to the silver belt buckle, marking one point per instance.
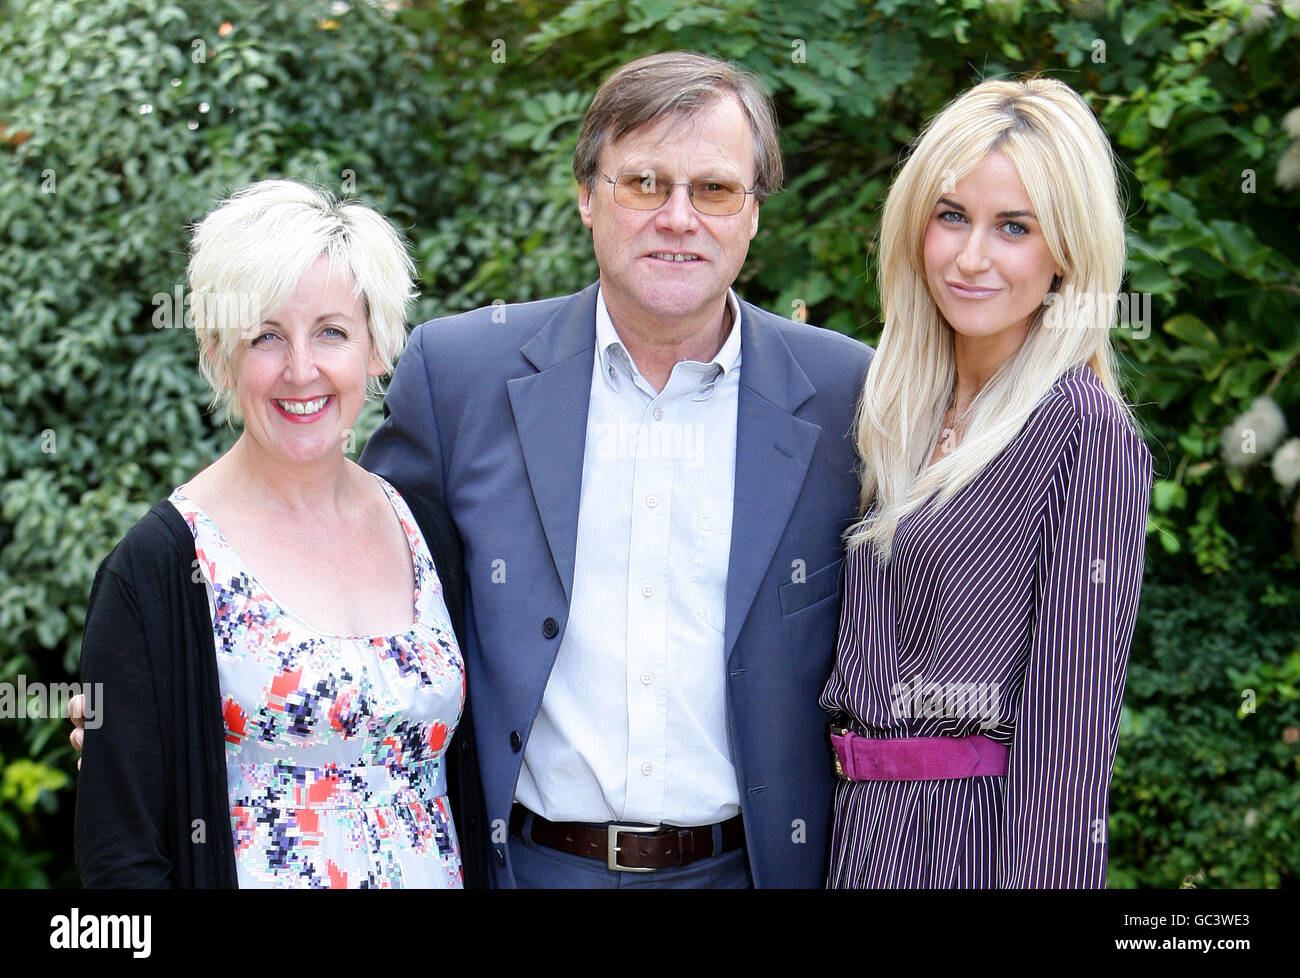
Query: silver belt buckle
point(614, 848)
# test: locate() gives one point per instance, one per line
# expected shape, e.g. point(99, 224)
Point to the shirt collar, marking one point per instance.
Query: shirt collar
point(615, 361)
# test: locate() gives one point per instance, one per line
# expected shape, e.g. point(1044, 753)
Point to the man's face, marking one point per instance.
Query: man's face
point(640, 276)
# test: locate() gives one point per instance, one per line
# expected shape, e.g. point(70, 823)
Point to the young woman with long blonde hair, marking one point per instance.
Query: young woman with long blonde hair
point(992, 581)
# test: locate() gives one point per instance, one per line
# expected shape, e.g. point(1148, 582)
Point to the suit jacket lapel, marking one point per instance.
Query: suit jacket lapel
point(773, 447)
point(550, 411)
point(773, 451)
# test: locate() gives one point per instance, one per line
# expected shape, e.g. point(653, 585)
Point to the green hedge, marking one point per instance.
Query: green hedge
point(121, 122)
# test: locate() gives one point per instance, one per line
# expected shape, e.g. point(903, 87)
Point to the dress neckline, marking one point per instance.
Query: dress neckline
point(412, 545)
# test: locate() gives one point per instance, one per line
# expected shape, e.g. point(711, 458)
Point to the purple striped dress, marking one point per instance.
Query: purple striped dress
point(1008, 613)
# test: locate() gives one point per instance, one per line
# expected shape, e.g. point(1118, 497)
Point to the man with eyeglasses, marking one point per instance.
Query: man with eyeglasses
point(650, 478)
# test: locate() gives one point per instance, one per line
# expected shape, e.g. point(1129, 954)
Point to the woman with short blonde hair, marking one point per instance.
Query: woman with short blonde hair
point(993, 576)
point(281, 677)
point(248, 255)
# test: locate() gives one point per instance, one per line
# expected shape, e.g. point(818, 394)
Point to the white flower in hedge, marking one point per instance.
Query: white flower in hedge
point(1291, 121)
point(1288, 168)
point(1286, 464)
point(1252, 435)
point(1258, 14)
point(1292, 8)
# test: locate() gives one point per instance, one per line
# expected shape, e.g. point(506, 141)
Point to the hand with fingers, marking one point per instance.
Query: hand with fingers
point(77, 714)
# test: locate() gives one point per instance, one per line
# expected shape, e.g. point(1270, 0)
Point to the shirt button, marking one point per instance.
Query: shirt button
point(659, 414)
point(646, 679)
point(647, 769)
point(612, 372)
point(652, 501)
point(648, 590)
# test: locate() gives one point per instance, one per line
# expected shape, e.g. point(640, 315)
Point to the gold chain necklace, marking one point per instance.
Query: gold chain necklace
point(949, 426)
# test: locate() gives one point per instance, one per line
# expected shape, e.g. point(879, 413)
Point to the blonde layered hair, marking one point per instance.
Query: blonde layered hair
point(1068, 170)
point(247, 256)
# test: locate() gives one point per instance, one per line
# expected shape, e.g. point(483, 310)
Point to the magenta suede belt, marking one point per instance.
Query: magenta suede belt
point(916, 758)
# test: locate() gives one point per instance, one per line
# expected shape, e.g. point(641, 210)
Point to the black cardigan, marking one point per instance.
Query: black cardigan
point(152, 803)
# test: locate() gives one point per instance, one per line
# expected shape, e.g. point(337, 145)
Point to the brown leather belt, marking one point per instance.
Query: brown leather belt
point(630, 848)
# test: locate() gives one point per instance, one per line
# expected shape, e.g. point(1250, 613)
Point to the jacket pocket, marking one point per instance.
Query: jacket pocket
point(818, 586)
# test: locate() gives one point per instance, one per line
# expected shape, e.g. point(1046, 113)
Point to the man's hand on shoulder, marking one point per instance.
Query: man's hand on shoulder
point(77, 714)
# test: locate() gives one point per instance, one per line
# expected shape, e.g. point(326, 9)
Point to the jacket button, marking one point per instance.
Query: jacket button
point(515, 741)
point(550, 628)
point(501, 857)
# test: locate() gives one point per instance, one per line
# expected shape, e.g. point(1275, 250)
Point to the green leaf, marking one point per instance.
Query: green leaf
point(1241, 248)
point(1179, 206)
point(25, 780)
point(1233, 48)
point(1152, 278)
point(1166, 494)
point(1140, 19)
point(1192, 330)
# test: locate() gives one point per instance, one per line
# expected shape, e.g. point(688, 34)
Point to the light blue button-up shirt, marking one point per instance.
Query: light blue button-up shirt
point(633, 723)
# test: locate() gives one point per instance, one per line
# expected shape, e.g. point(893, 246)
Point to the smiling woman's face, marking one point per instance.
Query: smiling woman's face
point(301, 376)
point(986, 261)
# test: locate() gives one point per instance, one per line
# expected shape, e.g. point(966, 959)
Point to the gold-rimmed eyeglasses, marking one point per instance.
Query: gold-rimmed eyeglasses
point(714, 196)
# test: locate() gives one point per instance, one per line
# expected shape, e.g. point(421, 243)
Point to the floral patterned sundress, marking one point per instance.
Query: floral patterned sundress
point(334, 744)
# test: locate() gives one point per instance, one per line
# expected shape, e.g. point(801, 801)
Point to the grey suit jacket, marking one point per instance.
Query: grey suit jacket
point(487, 413)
